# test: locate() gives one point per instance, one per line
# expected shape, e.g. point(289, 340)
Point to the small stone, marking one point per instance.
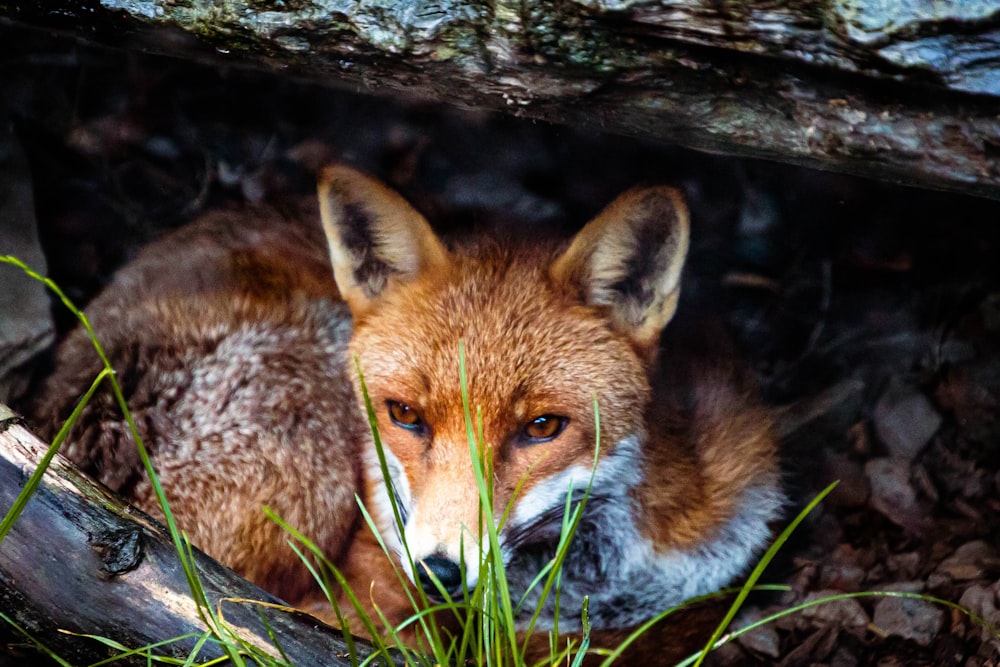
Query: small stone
point(892, 494)
point(904, 587)
point(972, 560)
point(729, 654)
point(909, 618)
point(982, 601)
point(842, 571)
point(813, 648)
point(905, 565)
point(846, 612)
point(905, 420)
point(828, 530)
point(764, 639)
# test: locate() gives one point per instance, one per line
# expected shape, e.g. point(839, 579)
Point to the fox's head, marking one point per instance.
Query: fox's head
point(545, 332)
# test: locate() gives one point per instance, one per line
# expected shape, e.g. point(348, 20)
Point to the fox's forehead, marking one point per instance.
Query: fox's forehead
point(526, 340)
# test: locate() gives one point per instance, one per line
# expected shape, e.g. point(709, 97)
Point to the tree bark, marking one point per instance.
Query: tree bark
point(78, 560)
point(898, 91)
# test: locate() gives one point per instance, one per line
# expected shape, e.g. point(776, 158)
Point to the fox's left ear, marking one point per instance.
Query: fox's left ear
point(629, 258)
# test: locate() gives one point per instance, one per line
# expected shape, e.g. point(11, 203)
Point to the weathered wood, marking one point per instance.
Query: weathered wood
point(79, 560)
point(903, 91)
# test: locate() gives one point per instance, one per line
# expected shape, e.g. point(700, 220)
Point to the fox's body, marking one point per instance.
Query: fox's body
point(236, 343)
point(229, 341)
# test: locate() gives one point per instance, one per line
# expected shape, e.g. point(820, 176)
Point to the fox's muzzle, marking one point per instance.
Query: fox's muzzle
point(447, 572)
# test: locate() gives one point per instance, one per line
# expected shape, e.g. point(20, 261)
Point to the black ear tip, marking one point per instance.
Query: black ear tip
point(662, 205)
point(339, 177)
point(330, 172)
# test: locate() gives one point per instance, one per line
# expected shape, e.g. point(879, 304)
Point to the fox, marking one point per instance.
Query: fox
point(251, 344)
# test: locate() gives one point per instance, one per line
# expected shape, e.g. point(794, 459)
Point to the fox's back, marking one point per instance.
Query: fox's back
point(229, 340)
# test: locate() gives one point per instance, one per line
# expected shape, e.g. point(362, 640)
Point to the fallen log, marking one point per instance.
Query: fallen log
point(78, 561)
point(897, 91)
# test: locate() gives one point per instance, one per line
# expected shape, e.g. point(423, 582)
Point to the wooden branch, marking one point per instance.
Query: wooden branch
point(898, 91)
point(78, 560)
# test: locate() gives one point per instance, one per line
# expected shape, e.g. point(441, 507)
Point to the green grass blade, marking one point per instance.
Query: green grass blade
point(41, 647)
point(585, 642)
point(759, 570)
point(496, 576)
point(690, 660)
point(571, 521)
point(430, 630)
point(749, 586)
point(147, 651)
point(196, 649)
point(318, 553)
point(175, 534)
point(127, 653)
point(36, 477)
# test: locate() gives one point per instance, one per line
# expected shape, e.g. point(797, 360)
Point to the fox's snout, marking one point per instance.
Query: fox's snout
point(442, 546)
point(439, 512)
point(447, 572)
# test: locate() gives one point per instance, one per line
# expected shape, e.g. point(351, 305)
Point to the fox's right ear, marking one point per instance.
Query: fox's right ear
point(375, 236)
point(629, 260)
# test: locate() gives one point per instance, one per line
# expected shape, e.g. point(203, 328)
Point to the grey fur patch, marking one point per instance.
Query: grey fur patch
point(610, 562)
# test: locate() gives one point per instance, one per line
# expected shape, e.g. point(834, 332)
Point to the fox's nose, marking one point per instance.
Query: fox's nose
point(447, 571)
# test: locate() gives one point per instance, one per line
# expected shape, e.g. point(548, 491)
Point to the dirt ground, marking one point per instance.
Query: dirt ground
point(871, 311)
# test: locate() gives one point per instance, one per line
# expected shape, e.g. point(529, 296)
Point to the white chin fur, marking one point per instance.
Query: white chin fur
point(421, 539)
point(381, 509)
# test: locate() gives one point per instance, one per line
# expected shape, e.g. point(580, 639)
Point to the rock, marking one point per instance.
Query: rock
point(729, 654)
point(762, 640)
point(904, 587)
point(843, 658)
point(843, 571)
point(814, 648)
point(972, 560)
point(846, 612)
point(905, 565)
point(909, 618)
point(971, 392)
point(982, 601)
point(892, 494)
point(905, 420)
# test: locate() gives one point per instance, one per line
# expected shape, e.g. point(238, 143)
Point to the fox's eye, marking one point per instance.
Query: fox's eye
point(404, 416)
point(545, 428)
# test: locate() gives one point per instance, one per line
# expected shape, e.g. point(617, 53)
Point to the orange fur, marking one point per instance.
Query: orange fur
point(237, 353)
